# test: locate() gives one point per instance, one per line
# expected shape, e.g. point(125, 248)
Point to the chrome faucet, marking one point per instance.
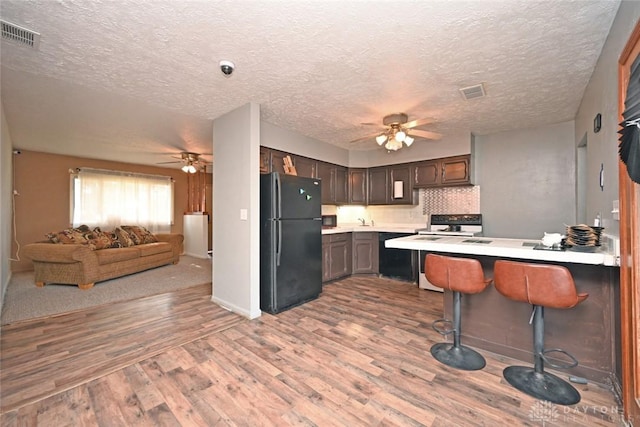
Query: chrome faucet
point(361, 220)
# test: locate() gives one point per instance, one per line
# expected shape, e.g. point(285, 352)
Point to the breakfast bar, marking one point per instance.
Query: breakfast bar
point(493, 323)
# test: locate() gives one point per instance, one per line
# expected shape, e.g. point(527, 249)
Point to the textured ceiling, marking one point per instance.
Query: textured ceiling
point(143, 77)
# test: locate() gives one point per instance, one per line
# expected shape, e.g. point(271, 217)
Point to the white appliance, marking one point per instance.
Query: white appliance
point(441, 225)
point(196, 235)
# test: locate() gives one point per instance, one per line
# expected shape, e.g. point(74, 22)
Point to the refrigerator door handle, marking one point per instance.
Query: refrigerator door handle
point(279, 242)
point(276, 176)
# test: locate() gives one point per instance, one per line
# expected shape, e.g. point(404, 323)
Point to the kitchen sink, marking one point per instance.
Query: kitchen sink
point(428, 238)
point(476, 241)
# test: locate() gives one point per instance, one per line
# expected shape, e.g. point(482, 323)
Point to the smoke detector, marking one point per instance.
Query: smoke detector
point(472, 92)
point(15, 33)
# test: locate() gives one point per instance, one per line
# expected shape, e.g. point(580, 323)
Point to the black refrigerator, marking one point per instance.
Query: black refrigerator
point(290, 241)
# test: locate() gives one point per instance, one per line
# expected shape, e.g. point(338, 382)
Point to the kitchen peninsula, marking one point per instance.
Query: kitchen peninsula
point(494, 323)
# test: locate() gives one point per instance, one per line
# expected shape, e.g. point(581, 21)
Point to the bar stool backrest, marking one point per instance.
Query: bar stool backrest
point(537, 284)
point(464, 275)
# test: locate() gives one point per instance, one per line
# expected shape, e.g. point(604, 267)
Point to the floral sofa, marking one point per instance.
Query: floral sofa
point(82, 256)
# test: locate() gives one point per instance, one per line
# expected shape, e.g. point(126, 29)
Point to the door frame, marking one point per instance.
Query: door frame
point(629, 194)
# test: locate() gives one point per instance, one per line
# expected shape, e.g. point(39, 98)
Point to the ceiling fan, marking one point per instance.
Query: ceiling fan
point(399, 130)
point(190, 160)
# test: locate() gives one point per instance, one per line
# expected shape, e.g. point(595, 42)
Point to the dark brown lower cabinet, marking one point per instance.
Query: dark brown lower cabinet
point(365, 253)
point(336, 256)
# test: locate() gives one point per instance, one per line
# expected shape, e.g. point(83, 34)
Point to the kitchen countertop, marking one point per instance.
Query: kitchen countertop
point(384, 228)
point(500, 247)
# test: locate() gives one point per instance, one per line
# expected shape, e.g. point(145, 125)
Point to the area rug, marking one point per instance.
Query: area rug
point(23, 300)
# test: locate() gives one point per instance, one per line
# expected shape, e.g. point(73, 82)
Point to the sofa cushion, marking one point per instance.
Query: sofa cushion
point(139, 234)
point(108, 256)
point(154, 248)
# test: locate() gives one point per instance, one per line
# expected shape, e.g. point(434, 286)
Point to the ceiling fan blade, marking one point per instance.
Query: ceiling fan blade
point(417, 123)
point(166, 163)
point(425, 134)
point(364, 138)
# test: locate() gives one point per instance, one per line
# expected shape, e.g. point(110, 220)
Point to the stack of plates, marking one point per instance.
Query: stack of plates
point(583, 237)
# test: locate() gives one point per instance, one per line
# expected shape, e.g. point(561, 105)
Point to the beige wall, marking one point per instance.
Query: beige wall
point(6, 204)
point(42, 181)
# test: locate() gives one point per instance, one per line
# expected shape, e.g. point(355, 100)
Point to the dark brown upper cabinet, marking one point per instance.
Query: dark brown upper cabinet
point(391, 185)
point(383, 185)
point(357, 186)
point(277, 161)
point(334, 183)
point(401, 185)
point(305, 166)
point(378, 186)
point(342, 185)
point(265, 160)
point(444, 172)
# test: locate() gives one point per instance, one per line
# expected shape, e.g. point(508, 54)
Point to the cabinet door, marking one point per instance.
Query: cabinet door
point(305, 167)
point(400, 185)
point(265, 160)
point(326, 258)
point(277, 161)
point(426, 173)
point(365, 253)
point(339, 260)
point(455, 171)
point(378, 186)
point(358, 186)
point(336, 256)
point(325, 173)
point(341, 185)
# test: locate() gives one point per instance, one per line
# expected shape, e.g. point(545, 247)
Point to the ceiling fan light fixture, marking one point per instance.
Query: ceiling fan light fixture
point(189, 168)
point(380, 139)
point(408, 140)
point(400, 135)
point(393, 145)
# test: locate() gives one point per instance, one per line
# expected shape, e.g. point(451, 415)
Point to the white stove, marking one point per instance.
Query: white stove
point(468, 231)
point(463, 225)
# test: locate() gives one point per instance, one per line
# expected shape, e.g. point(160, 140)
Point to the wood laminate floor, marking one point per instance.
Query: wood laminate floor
point(356, 356)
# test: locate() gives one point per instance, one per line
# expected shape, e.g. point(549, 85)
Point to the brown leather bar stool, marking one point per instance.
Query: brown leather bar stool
point(541, 285)
point(461, 276)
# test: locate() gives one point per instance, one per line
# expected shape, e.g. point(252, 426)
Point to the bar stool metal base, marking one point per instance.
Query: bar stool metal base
point(460, 357)
point(541, 385)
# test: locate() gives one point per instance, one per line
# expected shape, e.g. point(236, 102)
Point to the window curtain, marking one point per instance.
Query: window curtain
point(109, 199)
point(629, 148)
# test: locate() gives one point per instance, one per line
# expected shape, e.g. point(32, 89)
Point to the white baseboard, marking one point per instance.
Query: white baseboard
point(201, 256)
point(232, 307)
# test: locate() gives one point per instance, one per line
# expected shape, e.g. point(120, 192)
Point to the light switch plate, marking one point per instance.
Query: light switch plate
point(243, 214)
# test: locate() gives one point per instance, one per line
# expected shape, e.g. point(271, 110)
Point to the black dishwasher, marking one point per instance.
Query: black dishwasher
point(397, 263)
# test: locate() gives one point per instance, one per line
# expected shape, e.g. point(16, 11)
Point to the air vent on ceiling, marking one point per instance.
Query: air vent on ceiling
point(472, 92)
point(20, 35)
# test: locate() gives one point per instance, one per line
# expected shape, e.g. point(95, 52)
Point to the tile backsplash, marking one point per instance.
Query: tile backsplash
point(432, 200)
point(451, 200)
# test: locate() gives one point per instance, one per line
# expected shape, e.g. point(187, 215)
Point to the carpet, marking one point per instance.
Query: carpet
point(23, 300)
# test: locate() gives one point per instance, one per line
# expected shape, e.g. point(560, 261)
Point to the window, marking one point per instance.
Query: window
point(102, 198)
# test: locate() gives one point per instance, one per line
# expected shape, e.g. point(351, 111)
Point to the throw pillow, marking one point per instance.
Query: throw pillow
point(80, 235)
point(124, 238)
point(104, 240)
point(139, 234)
